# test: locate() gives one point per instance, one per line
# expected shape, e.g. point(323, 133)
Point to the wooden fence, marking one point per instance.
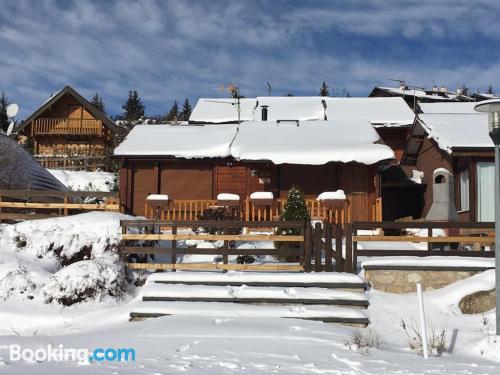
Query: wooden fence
point(459, 235)
point(40, 204)
point(189, 210)
point(312, 243)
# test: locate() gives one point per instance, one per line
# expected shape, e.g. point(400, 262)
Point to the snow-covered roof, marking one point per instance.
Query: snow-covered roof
point(291, 108)
point(312, 143)
point(453, 107)
point(392, 111)
point(222, 110)
point(183, 141)
point(460, 130)
point(306, 142)
point(381, 112)
point(422, 94)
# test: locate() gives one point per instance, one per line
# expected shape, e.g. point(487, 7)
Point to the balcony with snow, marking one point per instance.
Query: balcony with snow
point(228, 200)
point(262, 198)
point(332, 199)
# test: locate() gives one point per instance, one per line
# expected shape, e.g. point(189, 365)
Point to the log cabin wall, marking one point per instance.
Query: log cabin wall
point(395, 138)
point(204, 179)
point(67, 107)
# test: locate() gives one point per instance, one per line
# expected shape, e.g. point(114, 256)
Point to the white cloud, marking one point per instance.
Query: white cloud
point(177, 49)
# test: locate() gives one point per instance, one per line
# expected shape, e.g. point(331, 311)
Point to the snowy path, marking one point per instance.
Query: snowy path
point(206, 345)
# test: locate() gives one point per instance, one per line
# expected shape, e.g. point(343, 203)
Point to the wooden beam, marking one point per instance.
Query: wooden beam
point(212, 237)
point(216, 266)
point(461, 239)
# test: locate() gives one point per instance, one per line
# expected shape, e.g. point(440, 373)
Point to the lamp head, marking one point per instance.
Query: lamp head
point(492, 107)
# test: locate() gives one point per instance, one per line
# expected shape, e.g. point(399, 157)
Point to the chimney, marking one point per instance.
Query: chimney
point(264, 112)
point(443, 197)
point(460, 91)
point(434, 88)
point(443, 89)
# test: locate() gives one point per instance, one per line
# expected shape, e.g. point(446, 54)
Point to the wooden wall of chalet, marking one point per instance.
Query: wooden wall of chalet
point(395, 138)
point(68, 107)
point(204, 179)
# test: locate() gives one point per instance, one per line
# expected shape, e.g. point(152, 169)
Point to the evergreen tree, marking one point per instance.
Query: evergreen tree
point(295, 209)
point(490, 90)
point(98, 103)
point(133, 109)
point(173, 114)
point(465, 90)
point(186, 111)
point(323, 91)
point(4, 119)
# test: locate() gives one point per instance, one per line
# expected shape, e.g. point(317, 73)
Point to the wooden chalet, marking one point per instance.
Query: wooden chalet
point(193, 164)
point(455, 137)
point(67, 130)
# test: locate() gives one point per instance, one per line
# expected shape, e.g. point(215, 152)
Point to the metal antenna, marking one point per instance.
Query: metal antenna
point(268, 87)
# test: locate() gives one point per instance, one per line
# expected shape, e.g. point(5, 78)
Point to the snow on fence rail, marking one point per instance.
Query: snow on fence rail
point(40, 204)
point(74, 163)
point(312, 243)
point(462, 239)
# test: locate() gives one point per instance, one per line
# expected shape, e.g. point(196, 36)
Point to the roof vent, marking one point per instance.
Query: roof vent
point(264, 112)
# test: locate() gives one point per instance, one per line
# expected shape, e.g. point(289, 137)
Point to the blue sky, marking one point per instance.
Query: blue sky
point(176, 49)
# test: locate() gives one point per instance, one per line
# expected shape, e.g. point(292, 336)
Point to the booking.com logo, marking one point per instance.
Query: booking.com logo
point(59, 353)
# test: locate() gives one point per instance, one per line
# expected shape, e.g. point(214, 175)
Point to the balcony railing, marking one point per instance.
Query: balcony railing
point(66, 126)
point(189, 210)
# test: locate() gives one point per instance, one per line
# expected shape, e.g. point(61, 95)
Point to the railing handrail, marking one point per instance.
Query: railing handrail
point(367, 225)
point(213, 223)
point(57, 194)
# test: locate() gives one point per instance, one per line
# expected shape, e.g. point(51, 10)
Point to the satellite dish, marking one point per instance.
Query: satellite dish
point(12, 110)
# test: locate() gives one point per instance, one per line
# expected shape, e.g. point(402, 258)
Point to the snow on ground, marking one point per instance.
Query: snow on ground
point(433, 261)
point(214, 341)
point(85, 181)
point(212, 338)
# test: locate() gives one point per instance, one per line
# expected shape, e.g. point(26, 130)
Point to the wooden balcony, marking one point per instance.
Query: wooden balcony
point(67, 126)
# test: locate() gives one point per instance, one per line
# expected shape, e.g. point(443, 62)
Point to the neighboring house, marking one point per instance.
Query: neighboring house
point(414, 95)
point(455, 137)
point(197, 162)
point(391, 117)
point(68, 126)
point(19, 171)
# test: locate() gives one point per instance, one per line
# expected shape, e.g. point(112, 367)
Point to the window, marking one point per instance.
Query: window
point(485, 191)
point(464, 190)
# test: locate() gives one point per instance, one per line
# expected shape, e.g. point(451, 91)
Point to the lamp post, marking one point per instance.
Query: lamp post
point(492, 107)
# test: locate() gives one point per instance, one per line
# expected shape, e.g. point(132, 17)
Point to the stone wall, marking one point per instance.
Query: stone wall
point(404, 280)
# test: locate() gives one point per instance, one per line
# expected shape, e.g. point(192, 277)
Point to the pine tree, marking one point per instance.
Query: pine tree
point(173, 114)
point(490, 90)
point(133, 109)
point(98, 102)
point(4, 119)
point(323, 91)
point(186, 111)
point(295, 209)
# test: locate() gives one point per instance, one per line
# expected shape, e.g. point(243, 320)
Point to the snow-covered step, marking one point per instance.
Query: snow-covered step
point(262, 279)
point(331, 314)
point(253, 295)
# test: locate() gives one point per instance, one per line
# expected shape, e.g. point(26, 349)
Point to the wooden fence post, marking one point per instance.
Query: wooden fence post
point(66, 201)
point(174, 248)
point(354, 252)
point(328, 247)
point(348, 248)
point(307, 246)
point(429, 244)
point(339, 258)
point(225, 257)
point(317, 247)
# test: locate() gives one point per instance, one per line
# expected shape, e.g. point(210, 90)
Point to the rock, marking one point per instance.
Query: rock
point(478, 303)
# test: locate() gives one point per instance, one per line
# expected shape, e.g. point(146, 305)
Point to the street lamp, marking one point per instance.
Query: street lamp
point(492, 107)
